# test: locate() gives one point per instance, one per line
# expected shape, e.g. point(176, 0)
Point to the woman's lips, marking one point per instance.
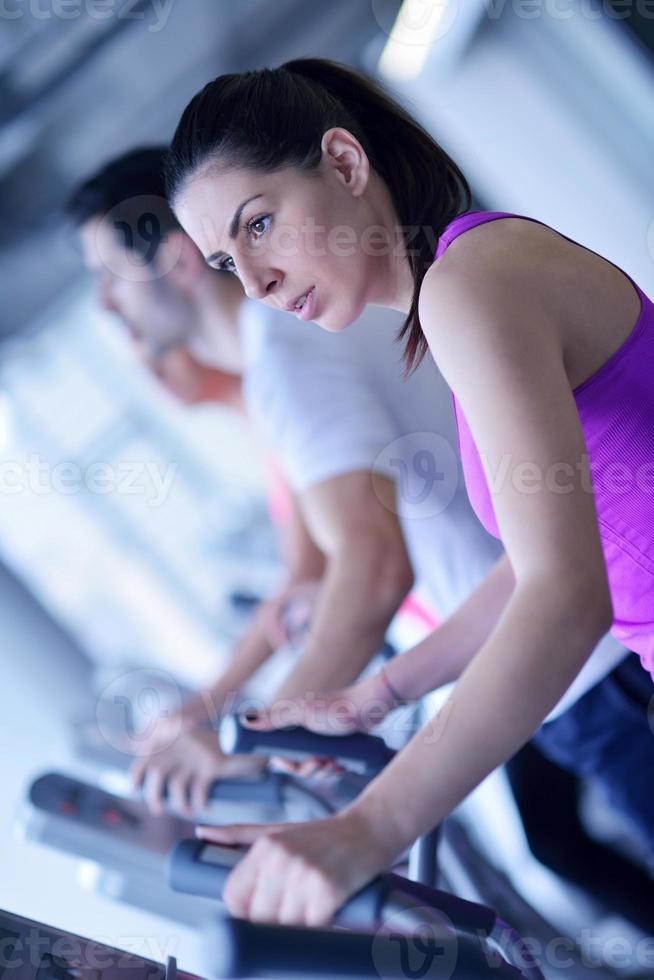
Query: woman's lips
point(308, 310)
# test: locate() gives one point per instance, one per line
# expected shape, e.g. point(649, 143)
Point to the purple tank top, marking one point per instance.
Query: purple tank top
point(616, 410)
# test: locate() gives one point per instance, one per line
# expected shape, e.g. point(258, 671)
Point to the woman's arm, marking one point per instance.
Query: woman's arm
point(443, 655)
point(520, 408)
point(439, 659)
point(500, 348)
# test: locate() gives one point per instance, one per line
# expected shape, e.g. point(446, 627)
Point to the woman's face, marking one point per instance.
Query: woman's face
point(292, 233)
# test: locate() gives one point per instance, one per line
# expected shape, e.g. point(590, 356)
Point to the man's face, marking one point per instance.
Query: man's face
point(152, 309)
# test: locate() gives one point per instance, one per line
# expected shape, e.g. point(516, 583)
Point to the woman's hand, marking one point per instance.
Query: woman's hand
point(357, 708)
point(299, 874)
point(186, 768)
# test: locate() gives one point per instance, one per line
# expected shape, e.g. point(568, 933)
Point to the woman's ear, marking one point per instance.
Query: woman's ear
point(342, 152)
point(179, 260)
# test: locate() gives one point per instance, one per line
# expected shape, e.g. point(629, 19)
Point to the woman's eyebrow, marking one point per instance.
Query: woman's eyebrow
point(233, 228)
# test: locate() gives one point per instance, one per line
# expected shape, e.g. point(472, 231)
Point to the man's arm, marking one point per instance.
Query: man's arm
point(367, 576)
point(303, 561)
point(303, 558)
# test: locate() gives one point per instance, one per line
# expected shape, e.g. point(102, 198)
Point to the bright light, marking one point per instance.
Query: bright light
point(88, 875)
point(6, 423)
point(415, 30)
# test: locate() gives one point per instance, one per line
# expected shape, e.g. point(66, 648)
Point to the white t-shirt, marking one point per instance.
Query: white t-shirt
point(334, 403)
point(329, 404)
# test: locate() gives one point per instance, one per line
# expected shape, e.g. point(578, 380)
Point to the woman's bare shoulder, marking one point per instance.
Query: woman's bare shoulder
point(492, 277)
point(517, 241)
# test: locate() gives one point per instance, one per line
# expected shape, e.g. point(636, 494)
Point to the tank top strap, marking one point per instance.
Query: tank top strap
point(463, 222)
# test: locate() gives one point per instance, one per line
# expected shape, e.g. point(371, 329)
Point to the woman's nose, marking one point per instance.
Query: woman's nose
point(259, 283)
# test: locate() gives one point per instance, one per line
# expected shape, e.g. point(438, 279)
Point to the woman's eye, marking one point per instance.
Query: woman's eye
point(258, 226)
point(223, 264)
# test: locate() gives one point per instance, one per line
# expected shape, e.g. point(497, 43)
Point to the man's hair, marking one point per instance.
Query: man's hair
point(130, 191)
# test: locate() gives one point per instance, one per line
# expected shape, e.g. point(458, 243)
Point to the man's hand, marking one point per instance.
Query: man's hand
point(287, 617)
point(185, 771)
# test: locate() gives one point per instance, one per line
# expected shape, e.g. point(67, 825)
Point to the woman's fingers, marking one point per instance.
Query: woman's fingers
point(237, 833)
point(280, 715)
point(137, 772)
point(263, 888)
point(178, 791)
point(295, 874)
point(154, 789)
point(279, 764)
point(307, 768)
point(240, 887)
point(199, 791)
point(292, 905)
point(314, 767)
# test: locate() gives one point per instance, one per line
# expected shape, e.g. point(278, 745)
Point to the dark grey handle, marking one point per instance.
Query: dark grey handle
point(48, 791)
point(359, 752)
point(268, 790)
point(241, 949)
point(197, 867)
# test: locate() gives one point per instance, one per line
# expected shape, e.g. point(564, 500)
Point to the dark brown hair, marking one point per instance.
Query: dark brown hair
point(131, 188)
point(273, 118)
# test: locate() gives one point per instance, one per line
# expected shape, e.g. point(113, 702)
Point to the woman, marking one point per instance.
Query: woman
point(323, 195)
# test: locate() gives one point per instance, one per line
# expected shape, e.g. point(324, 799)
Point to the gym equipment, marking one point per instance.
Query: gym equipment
point(129, 846)
point(201, 868)
point(363, 754)
point(237, 949)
